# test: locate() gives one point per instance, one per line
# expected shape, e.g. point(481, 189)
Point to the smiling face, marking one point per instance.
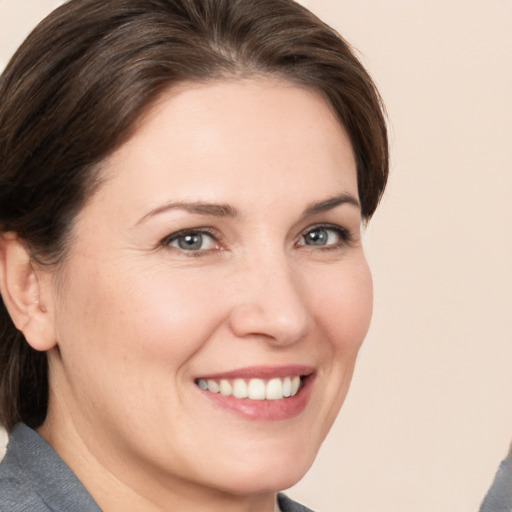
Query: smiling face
point(215, 296)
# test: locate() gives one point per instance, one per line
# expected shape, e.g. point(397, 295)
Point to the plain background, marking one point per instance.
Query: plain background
point(429, 415)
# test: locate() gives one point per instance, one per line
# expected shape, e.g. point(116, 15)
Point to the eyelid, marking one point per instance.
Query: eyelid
point(344, 233)
point(211, 232)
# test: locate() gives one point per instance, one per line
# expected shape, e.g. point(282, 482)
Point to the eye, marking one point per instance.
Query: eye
point(325, 236)
point(191, 241)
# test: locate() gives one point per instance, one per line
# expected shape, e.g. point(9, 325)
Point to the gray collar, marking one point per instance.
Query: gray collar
point(30, 458)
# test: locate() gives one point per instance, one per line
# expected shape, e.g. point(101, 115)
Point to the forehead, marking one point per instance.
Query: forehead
point(233, 138)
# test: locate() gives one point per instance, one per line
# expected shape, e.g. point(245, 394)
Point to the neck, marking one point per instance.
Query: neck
point(115, 487)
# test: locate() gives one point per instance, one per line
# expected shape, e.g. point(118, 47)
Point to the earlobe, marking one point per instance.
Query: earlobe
point(24, 293)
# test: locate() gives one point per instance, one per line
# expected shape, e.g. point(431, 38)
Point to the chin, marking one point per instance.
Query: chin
point(268, 482)
point(278, 472)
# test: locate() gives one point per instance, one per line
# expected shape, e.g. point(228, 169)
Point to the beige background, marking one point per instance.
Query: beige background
point(430, 411)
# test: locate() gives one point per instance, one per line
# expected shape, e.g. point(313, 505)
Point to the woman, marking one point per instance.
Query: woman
point(184, 287)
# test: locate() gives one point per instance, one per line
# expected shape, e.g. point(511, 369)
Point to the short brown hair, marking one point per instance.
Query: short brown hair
point(75, 89)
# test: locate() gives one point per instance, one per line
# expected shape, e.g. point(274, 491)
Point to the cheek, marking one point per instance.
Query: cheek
point(344, 309)
point(150, 314)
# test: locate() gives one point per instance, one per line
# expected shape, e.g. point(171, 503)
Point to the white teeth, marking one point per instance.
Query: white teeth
point(253, 389)
point(225, 388)
point(213, 386)
point(287, 387)
point(256, 389)
point(240, 389)
point(295, 385)
point(274, 389)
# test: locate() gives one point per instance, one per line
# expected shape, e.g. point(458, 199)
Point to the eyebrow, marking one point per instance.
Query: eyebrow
point(226, 210)
point(329, 204)
point(200, 208)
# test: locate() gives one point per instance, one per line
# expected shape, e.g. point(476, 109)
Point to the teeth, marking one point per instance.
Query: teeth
point(213, 386)
point(256, 389)
point(295, 385)
point(240, 389)
point(225, 388)
point(253, 389)
point(287, 387)
point(274, 389)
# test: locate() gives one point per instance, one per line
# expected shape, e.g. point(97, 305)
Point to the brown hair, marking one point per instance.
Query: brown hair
point(75, 89)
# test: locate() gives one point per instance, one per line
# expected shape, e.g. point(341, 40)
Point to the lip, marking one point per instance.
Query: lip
point(262, 372)
point(263, 410)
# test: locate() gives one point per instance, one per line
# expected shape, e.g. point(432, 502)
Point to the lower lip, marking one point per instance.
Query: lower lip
point(265, 410)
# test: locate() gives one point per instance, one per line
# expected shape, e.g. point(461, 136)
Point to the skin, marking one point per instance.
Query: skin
point(131, 319)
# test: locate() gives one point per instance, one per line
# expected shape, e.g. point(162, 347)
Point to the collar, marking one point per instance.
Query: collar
point(30, 456)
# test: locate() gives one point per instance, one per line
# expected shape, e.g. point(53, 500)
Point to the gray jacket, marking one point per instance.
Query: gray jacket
point(499, 497)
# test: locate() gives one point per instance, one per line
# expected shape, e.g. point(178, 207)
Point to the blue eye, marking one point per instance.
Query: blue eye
point(324, 236)
point(190, 241)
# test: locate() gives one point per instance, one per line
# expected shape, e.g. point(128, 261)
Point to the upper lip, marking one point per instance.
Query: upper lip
point(262, 372)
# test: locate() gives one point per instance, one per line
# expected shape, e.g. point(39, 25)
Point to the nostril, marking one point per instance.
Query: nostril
point(283, 327)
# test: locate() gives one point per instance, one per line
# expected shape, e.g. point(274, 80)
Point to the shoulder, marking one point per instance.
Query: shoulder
point(288, 505)
point(33, 478)
point(16, 493)
point(499, 497)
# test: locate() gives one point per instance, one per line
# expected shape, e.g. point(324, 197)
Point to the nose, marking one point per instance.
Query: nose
point(270, 302)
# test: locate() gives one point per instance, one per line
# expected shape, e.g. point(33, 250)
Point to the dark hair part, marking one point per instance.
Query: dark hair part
point(75, 89)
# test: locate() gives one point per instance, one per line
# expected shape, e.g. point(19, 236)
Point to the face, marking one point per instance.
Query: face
point(215, 296)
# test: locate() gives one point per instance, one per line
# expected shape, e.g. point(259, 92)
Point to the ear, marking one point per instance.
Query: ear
point(26, 293)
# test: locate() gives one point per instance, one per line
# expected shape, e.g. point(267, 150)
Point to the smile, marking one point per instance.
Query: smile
point(262, 393)
point(253, 389)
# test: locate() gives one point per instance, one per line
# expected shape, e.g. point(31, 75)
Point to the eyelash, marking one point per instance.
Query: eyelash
point(344, 235)
point(212, 233)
